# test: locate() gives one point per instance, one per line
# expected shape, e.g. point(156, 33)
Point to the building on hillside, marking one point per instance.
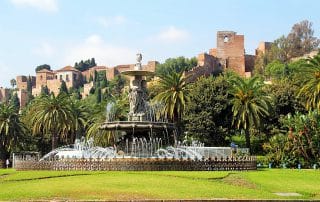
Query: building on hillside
point(52, 79)
point(112, 72)
point(22, 82)
point(86, 89)
point(4, 95)
point(90, 72)
point(263, 47)
point(229, 54)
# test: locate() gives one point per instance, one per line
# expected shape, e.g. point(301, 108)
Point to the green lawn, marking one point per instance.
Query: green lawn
point(261, 184)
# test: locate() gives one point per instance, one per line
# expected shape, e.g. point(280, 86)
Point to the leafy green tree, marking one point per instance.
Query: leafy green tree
point(117, 84)
point(250, 104)
point(52, 116)
point(173, 95)
point(301, 39)
point(208, 113)
point(11, 130)
point(275, 69)
point(178, 65)
point(85, 65)
point(63, 87)
point(41, 67)
point(310, 90)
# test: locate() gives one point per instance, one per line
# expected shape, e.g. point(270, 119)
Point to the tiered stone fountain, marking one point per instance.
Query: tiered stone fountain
point(142, 117)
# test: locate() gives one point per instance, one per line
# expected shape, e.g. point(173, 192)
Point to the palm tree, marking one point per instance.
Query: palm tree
point(81, 115)
point(53, 116)
point(173, 94)
point(11, 129)
point(249, 104)
point(13, 82)
point(310, 90)
point(96, 120)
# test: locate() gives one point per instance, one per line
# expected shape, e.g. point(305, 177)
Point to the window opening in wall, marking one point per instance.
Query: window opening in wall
point(226, 39)
point(60, 77)
point(67, 78)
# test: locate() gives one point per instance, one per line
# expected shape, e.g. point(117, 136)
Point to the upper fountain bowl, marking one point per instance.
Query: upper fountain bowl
point(137, 73)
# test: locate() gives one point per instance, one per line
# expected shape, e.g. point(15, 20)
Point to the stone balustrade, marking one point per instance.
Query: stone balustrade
point(140, 164)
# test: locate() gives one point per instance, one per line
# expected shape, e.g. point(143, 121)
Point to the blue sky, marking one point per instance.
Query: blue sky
point(61, 32)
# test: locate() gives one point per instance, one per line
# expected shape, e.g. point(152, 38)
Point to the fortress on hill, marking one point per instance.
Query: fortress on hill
point(229, 54)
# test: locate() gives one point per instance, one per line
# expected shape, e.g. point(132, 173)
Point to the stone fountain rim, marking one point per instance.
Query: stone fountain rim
point(129, 125)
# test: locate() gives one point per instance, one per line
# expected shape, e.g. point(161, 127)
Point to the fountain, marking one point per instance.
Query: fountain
point(143, 117)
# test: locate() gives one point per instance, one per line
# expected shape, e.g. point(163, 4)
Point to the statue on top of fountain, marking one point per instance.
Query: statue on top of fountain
point(137, 94)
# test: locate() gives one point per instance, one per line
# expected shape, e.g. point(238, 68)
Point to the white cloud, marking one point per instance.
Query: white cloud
point(171, 35)
point(111, 21)
point(45, 50)
point(105, 54)
point(43, 5)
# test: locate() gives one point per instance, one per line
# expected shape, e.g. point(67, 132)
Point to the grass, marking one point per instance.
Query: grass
point(86, 185)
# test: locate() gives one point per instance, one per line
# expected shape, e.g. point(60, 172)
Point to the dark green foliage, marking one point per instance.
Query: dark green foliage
point(178, 65)
point(13, 83)
point(100, 79)
point(11, 130)
point(45, 90)
point(208, 114)
point(83, 66)
point(29, 84)
point(117, 84)
point(92, 90)
point(63, 87)
point(15, 102)
point(44, 66)
point(299, 141)
point(99, 96)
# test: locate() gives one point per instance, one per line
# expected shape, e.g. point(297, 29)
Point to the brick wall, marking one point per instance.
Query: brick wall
point(230, 47)
point(4, 94)
point(23, 97)
point(22, 82)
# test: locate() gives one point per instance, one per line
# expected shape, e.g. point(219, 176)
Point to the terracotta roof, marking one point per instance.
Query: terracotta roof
point(44, 71)
point(68, 68)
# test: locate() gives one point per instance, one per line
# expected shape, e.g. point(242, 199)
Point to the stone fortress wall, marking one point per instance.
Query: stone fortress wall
point(229, 54)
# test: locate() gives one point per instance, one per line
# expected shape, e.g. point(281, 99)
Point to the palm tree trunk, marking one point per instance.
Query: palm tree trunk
point(247, 136)
point(3, 156)
point(53, 141)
